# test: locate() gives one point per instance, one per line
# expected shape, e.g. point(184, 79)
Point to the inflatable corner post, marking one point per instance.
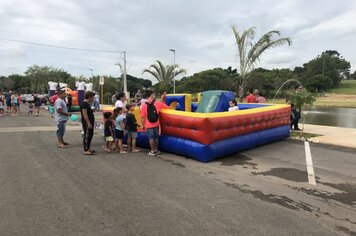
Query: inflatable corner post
point(52, 88)
point(62, 86)
point(81, 91)
point(89, 86)
point(182, 102)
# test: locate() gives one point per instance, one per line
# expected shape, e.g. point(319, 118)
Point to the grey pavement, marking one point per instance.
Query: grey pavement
point(262, 191)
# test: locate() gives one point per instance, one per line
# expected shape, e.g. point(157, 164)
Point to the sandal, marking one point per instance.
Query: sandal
point(62, 146)
point(66, 144)
point(88, 153)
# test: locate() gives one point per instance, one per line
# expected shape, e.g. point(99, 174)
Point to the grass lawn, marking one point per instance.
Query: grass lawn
point(346, 87)
point(305, 136)
point(343, 96)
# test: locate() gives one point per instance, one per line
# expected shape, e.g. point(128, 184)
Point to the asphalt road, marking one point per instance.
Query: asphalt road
point(263, 191)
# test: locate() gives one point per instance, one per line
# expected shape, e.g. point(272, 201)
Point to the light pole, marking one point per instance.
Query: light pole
point(92, 76)
point(123, 71)
point(174, 69)
point(125, 81)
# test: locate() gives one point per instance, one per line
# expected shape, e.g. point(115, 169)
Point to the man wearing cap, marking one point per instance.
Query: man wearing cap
point(61, 117)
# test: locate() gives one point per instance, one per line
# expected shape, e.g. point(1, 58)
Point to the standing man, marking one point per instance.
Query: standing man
point(38, 104)
point(88, 120)
point(138, 96)
point(296, 105)
point(150, 120)
point(97, 101)
point(61, 117)
point(69, 102)
point(113, 98)
point(8, 101)
point(251, 98)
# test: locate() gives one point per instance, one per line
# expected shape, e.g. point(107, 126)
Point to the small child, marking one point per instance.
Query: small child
point(233, 106)
point(1, 108)
point(108, 131)
point(119, 129)
point(131, 127)
point(30, 109)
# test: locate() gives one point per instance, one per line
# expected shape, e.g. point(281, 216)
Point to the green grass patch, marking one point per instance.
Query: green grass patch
point(346, 87)
point(300, 135)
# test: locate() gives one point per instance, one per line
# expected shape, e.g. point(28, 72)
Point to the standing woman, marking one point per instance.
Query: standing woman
point(14, 104)
point(38, 104)
point(88, 120)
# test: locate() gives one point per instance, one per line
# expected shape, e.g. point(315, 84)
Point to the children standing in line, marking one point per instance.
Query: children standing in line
point(30, 109)
point(108, 131)
point(119, 129)
point(131, 127)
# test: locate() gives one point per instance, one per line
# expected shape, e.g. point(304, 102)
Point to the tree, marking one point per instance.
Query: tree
point(164, 74)
point(330, 64)
point(40, 75)
point(213, 79)
point(319, 83)
point(269, 80)
point(249, 51)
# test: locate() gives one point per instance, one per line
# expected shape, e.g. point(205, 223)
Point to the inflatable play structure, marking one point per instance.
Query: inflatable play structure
point(77, 95)
point(206, 130)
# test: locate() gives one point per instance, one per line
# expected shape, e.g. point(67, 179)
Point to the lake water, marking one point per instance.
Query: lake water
point(332, 116)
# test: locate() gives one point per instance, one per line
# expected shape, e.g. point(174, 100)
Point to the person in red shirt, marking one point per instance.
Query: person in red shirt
point(251, 98)
point(53, 99)
point(150, 120)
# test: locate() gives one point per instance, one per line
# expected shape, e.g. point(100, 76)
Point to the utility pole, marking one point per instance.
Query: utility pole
point(125, 81)
point(174, 69)
point(92, 76)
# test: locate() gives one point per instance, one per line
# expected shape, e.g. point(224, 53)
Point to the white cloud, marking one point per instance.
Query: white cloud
point(198, 30)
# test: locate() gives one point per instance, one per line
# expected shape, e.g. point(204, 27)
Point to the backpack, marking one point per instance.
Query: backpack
point(152, 114)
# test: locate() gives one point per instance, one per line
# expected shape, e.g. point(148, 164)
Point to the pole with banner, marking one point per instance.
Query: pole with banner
point(101, 82)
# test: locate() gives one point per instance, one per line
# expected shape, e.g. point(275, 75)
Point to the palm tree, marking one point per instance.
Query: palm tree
point(164, 73)
point(250, 51)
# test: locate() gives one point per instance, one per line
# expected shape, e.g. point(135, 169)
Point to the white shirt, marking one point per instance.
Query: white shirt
point(235, 108)
point(119, 103)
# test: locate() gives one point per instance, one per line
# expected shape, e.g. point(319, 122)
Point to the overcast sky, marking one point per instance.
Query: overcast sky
point(199, 31)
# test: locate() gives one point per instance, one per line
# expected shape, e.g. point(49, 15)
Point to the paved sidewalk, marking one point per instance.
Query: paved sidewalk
point(338, 136)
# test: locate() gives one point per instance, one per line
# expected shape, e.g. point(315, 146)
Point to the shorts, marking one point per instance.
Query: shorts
point(109, 139)
point(132, 134)
point(119, 134)
point(61, 128)
point(38, 104)
point(152, 133)
point(8, 104)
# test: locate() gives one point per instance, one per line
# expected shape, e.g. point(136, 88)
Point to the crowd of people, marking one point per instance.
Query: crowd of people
point(13, 101)
point(122, 121)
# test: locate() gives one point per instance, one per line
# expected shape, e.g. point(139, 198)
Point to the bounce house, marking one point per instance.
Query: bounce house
point(206, 130)
point(77, 95)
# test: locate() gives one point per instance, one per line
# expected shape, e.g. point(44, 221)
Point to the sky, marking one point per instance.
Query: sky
point(199, 31)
